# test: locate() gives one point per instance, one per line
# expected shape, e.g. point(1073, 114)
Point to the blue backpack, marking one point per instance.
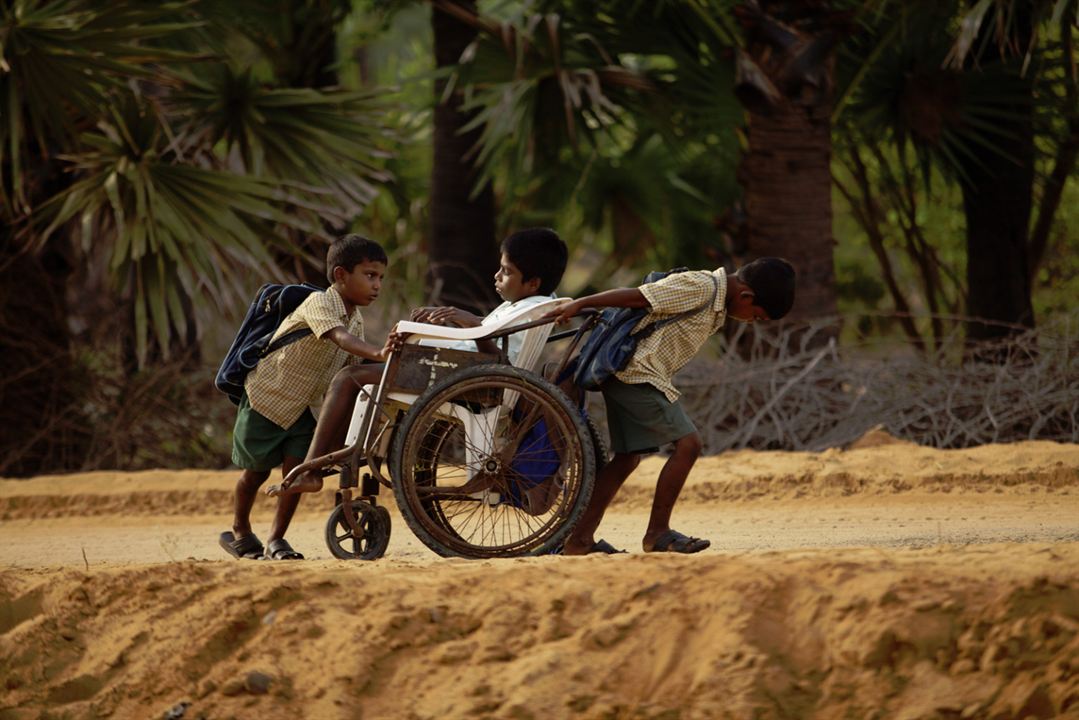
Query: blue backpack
point(612, 342)
point(271, 306)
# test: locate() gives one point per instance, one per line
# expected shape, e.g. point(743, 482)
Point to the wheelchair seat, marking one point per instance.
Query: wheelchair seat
point(527, 357)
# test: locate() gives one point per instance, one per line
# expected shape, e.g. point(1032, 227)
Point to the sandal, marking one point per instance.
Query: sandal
point(281, 550)
point(676, 542)
point(600, 546)
point(246, 547)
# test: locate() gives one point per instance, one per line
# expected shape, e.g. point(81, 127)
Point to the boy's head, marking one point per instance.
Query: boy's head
point(532, 263)
point(355, 266)
point(768, 293)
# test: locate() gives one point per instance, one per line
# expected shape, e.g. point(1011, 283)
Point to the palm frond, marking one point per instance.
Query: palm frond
point(59, 63)
point(327, 146)
point(906, 92)
point(167, 227)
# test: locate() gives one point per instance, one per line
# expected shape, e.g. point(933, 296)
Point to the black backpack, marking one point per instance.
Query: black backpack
point(612, 342)
point(272, 304)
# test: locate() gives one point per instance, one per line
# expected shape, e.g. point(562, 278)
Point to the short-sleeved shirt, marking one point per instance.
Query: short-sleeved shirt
point(668, 349)
point(289, 380)
point(506, 308)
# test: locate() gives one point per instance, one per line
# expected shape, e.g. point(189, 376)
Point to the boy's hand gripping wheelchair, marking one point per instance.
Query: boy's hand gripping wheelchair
point(485, 459)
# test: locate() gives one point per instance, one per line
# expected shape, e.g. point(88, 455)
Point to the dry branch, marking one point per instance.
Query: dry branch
point(768, 393)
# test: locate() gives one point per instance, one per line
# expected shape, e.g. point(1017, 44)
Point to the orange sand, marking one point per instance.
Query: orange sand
point(888, 581)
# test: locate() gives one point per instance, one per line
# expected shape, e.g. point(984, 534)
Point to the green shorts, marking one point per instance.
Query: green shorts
point(261, 445)
point(641, 419)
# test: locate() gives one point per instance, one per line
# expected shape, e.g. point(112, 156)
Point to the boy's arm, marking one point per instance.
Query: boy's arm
point(446, 316)
point(348, 342)
point(454, 316)
point(620, 297)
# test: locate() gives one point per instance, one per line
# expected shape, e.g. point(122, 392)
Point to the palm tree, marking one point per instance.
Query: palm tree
point(612, 77)
point(462, 248)
point(971, 107)
point(785, 81)
point(126, 150)
point(553, 134)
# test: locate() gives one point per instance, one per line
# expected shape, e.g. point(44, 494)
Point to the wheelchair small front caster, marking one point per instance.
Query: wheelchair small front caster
point(370, 540)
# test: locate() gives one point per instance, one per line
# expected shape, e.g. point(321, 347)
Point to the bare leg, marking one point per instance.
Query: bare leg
point(247, 488)
point(286, 504)
point(332, 423)
point(608, 481)
point(671, 480)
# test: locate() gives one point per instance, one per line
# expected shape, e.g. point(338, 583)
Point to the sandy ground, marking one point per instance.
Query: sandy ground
point(886, 581)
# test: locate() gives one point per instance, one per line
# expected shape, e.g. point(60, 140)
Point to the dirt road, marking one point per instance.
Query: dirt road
point(887, 581)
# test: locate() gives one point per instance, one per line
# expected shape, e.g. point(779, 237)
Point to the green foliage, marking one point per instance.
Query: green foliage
point(59, 64)
point(901, 91)
point(181, 172)
point(616, 119)
point(929, 91)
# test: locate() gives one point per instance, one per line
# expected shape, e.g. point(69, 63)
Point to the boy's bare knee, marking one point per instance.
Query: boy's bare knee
point(626, 461)
point(346, 381)
point(351, 378)
point(690, 445)
point(252, 479)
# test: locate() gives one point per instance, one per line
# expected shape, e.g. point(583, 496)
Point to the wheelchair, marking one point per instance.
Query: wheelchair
point(485, 459)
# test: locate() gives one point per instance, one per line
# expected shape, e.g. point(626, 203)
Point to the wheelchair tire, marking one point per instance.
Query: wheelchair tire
point(599, 444)
point(375, 522)
point(431, 473)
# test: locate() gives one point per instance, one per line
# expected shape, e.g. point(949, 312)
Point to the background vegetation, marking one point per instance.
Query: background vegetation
point(160, 160)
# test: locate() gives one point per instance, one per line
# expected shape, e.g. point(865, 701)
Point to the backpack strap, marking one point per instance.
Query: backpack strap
point(286, 339)
point(645, 332)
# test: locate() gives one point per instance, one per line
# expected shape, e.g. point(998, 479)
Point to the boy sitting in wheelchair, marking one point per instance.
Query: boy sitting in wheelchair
point(530, 268)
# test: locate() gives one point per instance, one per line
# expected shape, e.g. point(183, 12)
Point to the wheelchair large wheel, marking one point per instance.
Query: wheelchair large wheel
point(492, 461)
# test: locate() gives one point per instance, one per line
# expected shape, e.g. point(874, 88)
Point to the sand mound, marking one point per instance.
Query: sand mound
point(883, 468)
point(891, 581)
point(987, 632)
point(877, 436)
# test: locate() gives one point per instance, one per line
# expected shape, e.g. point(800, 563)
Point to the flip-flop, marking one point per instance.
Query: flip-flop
point(247, 547)
point(676, 542)
point(281, 550)
point(602, 546)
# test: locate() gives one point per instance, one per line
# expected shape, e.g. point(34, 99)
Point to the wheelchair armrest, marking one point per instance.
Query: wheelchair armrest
point(529, 316)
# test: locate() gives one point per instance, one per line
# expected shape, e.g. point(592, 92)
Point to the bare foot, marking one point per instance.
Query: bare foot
point(574, 548)
point(541, 498)
point(305, 483)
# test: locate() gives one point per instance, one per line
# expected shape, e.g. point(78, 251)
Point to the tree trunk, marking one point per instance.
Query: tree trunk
point(784, 80)
point(38, 402)
point(308, 59)
point(463, 252)
point(997, 199)
point(787, 178)
point(997, 204)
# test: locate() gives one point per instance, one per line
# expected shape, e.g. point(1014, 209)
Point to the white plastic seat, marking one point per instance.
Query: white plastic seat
point(531, 348)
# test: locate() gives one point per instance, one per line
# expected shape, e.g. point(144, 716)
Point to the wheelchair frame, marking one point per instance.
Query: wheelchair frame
point(435, 373)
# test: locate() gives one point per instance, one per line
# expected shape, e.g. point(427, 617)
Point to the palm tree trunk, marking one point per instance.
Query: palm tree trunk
point(997, 204)
point(38, 407)
point(787, 179)
point(785, 82)
point(462, 250)
point(997, 201)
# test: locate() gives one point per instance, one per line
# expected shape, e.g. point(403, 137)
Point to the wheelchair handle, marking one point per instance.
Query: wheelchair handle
point(536, 323)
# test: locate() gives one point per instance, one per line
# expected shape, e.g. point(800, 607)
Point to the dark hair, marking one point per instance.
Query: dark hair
point(351, 250)
point(538, 253)
point(772, 282)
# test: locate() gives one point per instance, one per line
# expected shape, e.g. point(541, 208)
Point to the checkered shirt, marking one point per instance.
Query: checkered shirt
point(668, 349)
point(289, 380)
